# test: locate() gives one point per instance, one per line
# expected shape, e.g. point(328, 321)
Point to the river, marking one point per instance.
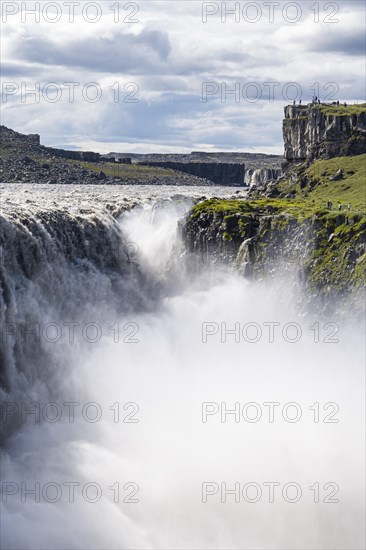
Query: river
point(153, 400)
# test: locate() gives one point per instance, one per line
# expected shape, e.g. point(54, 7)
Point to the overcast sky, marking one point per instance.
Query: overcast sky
point(138, 73)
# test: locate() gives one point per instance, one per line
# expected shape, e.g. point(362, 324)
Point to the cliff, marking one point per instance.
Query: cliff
point(324, 131)
point(323, 251)
point(219, 173)
point(24, 160)
point(310, 224)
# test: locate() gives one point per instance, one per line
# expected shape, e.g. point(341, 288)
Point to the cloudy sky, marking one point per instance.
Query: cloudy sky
point(174, 76)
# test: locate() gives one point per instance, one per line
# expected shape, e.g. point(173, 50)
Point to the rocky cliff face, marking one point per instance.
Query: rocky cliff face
point(23, 159)
point(325, 253)
point(219, 173)
point(312, 132)
point(290, 225)
point(31, 144)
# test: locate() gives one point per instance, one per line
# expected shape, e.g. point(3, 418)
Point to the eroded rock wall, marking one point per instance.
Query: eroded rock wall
point(220, 173)
point(310, 134)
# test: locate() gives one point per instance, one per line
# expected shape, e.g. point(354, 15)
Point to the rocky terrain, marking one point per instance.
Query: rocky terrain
point(252, 161)
point(23, 159)
point(312, 221)
point(324, 131)
point(263, 237)
point(220, 168)
point(219, 173)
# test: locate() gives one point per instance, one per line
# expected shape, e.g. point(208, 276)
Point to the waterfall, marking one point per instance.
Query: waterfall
point(136, 394)
point(56, 269)
point(260, 176)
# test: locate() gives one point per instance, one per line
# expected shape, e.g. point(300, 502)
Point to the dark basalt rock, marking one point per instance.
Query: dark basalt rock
point(310, 134)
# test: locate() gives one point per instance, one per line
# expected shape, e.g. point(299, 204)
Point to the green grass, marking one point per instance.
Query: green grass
point(351, 189)
point(336, 239)
point(132, 172)
point(227, 207)
point(320, 189)
point(296, 208)
point(338, 261)
point(335, 110)
point(128, 171)
point(341, 110)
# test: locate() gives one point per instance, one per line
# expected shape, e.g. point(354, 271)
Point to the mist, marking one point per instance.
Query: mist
point(203, 413)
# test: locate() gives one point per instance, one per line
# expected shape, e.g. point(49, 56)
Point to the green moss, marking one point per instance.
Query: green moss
point(243, 228)
point(341, 110)
point(349, 190)
point(336, 241)
point(318, 188)
point(298, 209)
point(225, 207)
point(339, 260)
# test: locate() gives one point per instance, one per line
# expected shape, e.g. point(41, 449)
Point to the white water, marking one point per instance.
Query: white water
point(169, 372)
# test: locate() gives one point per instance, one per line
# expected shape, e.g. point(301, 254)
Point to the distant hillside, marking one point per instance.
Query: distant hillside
point(252, 161)
point(24, 159)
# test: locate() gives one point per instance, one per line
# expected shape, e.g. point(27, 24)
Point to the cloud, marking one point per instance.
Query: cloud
point(18, 70)
point(169, 54)
point(118, 53)
point(350, 43)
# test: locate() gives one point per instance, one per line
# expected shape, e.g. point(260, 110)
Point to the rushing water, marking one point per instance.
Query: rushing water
point(141, 356)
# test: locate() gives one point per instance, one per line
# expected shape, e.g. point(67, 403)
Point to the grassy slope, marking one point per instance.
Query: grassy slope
point(338, 257)
point(123, 171)
point(351, 189)
point(339, 110)
point(320, 189)
point(128, 171)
